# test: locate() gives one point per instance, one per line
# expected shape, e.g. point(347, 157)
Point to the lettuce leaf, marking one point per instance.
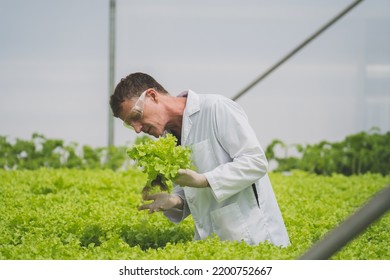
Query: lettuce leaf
point(160, 160)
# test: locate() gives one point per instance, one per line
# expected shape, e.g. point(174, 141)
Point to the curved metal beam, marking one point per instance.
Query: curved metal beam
point(298, 48)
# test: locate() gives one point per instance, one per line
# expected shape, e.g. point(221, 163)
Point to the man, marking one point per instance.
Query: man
point(230, 194)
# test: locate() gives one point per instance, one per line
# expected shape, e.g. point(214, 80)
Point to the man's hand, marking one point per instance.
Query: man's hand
point(190, 178)
point(161, 202)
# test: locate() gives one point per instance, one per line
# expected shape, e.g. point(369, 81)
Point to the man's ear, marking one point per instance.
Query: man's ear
point(153, 94)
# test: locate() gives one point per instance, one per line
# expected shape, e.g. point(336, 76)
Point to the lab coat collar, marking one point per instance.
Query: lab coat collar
point(192, 107)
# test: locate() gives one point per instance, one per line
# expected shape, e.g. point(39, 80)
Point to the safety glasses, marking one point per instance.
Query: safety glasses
point(136, 112)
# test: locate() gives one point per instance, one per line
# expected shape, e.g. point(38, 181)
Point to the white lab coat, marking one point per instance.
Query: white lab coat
point(226, 150)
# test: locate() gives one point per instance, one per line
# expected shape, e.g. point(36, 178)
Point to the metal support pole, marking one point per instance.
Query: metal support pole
point(298, 48)
point(111, 70)
point(350, 228)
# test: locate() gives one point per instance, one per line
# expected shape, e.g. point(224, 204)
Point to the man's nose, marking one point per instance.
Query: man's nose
point(137, 127)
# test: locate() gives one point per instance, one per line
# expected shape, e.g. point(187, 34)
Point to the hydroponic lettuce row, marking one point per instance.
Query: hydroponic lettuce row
point(92, 214)
point(160, 160)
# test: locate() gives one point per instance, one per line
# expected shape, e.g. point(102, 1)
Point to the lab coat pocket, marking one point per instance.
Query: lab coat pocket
point(229, 223)
point(203, 156)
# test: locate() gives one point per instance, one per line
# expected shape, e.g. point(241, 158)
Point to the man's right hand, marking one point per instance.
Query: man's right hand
point(162, 202)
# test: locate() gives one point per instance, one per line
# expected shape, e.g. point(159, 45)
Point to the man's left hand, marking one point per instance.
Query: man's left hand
point(190, 178)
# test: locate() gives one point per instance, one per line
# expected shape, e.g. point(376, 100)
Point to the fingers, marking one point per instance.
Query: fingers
point(182, 171)
point(182, 177)
point(153, 207)
point(150, 208)
point(144, 207)
point(151, 196)
point(161, 202)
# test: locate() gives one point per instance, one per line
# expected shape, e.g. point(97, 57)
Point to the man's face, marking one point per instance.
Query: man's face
point(144, 114)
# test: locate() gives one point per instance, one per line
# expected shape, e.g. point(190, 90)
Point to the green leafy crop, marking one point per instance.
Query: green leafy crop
point(160, 160)
point(74, 214)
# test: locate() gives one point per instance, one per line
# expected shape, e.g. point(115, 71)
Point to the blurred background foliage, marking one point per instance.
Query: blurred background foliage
point(363, 152)
point(53, 153)
point(360, 153)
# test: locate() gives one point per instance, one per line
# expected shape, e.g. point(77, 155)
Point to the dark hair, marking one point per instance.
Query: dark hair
point(132, 86)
